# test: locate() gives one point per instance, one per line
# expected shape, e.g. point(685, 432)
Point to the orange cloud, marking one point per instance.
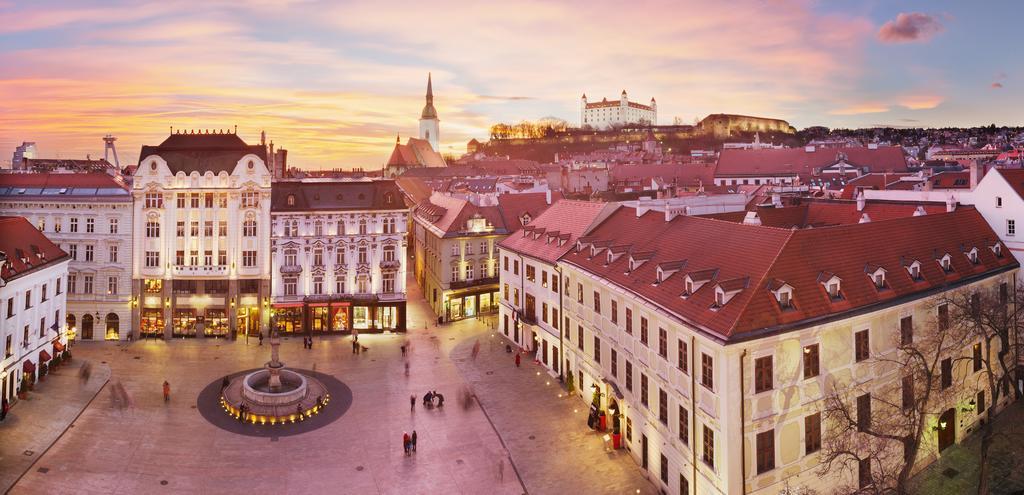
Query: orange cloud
point(921, 102)
point(860, 108)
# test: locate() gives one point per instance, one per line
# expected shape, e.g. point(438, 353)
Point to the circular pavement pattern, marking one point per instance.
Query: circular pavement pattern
point(209, 406)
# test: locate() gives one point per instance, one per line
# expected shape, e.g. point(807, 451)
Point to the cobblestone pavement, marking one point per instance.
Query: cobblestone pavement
point(35, 423)
point(956, 472)
point(544, 428)
point(160, 447)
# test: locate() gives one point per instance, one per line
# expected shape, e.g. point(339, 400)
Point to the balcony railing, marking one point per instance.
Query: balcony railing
point(291, 268)
point(462, 284)
point(390, 265)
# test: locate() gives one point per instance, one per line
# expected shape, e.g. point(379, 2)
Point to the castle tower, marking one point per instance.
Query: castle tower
point(430, 126)
point(583, 110)
point(654, 110)
point(623, 100)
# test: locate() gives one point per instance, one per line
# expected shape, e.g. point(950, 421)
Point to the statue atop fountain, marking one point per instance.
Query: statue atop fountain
point(274, 365)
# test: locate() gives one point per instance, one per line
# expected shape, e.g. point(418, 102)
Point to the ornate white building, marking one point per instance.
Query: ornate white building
point(33, 278)
point(604, 114)
point(90, 217)
point(201, 263)
point(339, 250)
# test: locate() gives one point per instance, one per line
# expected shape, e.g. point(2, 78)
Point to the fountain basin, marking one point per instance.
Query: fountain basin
point(256, 388)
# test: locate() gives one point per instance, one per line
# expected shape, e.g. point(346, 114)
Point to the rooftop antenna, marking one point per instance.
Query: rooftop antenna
point(108, 147)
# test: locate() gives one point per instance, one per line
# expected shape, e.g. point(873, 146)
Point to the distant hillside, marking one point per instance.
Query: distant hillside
point(710, 133)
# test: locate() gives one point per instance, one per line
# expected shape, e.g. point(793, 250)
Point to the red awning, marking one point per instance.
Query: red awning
point(44, 356)
point(318, 305)
point(58, 346)
point(28, 367)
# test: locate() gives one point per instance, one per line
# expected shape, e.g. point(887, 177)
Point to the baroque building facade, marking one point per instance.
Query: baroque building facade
point(90, 217)
point(711, 363)
point(201, 265)
point(338, 253)
point(33, 278)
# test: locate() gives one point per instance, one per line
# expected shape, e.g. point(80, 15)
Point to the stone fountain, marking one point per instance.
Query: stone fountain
point(274, 394)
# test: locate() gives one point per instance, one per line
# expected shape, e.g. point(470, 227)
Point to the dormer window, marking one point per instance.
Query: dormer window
point(291, 200)
point(783, 293)
point(689, 288)
point(877, 275)
point(727, 289)
point(973, 256)
point(997, 249)
point(719, 297)
point(946, 262)
point(914, 269)
point(832, 286)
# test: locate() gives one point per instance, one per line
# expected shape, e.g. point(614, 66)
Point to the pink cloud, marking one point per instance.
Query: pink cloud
point(997, 85)
point(910, 27)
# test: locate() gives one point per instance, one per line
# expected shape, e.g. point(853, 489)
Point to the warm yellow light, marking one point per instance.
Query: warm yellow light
point(942, 424)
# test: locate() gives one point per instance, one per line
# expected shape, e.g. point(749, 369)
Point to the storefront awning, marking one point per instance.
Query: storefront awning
point(287, 305)
point(28, 367)
point(318, 305)
point(44, 356)
point(58, 346)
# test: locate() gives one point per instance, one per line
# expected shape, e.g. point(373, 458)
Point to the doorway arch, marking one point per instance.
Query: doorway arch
point(70, 322)
point(947, 429)
point(87, 326)
point(113, 327)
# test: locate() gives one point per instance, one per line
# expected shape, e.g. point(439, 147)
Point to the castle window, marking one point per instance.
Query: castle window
point(251, 164)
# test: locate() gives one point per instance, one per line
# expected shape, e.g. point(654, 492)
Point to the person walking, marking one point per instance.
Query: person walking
point(224, 383)
point(261, 337)
point(406, 441)
point(414, 440)
point(412, 402)
point(167, 391)
point(6, 406)
point(517, 360)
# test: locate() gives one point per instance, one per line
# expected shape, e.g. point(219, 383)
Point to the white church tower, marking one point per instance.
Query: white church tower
point(430, 126)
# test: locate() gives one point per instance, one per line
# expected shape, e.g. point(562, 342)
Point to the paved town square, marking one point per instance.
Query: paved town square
point(158, 447)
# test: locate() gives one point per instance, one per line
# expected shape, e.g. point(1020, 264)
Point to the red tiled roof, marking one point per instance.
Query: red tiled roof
point(951, 180)
point(1015, 178)
point(692, 174)
point(562, 223)
point(415, 153)
point(25, 247)
point(798, 161)
point(768, 256)
point(870, 181)
point(513, 206)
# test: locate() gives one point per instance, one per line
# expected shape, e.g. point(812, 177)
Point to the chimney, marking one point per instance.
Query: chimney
point(547, 196)
point(975, 173)
point(861, 201)
point(776, 200)
point(950, 205)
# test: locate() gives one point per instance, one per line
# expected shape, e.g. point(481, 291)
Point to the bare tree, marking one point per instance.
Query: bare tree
point(874, 429)
point(987, 320)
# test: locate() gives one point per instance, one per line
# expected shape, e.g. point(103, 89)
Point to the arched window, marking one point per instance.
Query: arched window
point(249, 228)
point(291, 200)
point(87, 326)
point(113, 327)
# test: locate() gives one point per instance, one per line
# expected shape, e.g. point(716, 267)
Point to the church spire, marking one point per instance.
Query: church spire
point(428, 110)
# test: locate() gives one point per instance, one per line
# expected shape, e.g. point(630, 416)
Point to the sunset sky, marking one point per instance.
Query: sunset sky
point(334, 82)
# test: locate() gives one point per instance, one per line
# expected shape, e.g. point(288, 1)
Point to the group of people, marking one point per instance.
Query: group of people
point(409, 442)
point(307, 342)
point(428, 399)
